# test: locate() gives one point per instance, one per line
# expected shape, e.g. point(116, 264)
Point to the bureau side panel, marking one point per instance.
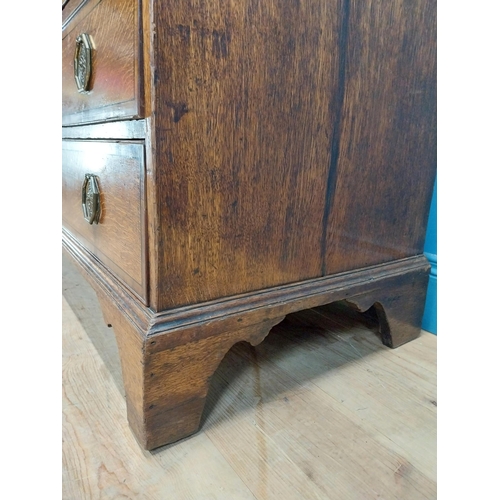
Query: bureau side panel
point(382, 182)
point(244, 107)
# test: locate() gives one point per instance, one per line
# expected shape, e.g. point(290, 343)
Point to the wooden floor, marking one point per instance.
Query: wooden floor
point(320, 409)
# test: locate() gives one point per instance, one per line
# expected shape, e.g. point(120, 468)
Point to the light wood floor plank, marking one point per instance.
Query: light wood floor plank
point(327, 443)
point(392, 398)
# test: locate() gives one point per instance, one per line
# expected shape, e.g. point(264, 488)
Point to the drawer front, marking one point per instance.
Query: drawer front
point(69, 9)
point(114, 86)
point(118, 240)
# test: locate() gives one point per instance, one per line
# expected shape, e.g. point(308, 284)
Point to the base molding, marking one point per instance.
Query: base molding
point(168, 357)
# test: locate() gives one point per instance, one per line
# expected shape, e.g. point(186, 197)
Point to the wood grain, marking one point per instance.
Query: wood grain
point(284, 416)
point(293, 140)
point(387, 149)
point(166, 388)
point(320, 409)
point(243, 108)
point(364, 385)
point(119, 238)
point(116, 78)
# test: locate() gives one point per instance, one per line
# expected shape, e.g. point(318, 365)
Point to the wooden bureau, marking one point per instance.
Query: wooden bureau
point(227, 163)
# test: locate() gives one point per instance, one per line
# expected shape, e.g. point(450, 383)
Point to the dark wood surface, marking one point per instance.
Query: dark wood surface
point(285, 142)
point(116, 78)
point(244, 110)
point(293, 140)
point(382, 182)
point(287, 162)
point(119, 238)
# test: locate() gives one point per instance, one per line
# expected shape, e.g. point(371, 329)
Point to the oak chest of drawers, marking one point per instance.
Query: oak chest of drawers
point(227, 163)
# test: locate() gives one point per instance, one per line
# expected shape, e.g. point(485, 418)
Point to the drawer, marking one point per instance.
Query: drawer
point(69, 8)
point(115, 76)
point(118, 240)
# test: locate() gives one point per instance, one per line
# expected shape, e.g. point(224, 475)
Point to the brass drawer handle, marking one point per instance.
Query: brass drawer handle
point(83, 62)
point(91, 199)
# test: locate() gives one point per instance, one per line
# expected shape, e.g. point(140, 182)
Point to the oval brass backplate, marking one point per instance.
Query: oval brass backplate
point(83, 62)
point(91, 199)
